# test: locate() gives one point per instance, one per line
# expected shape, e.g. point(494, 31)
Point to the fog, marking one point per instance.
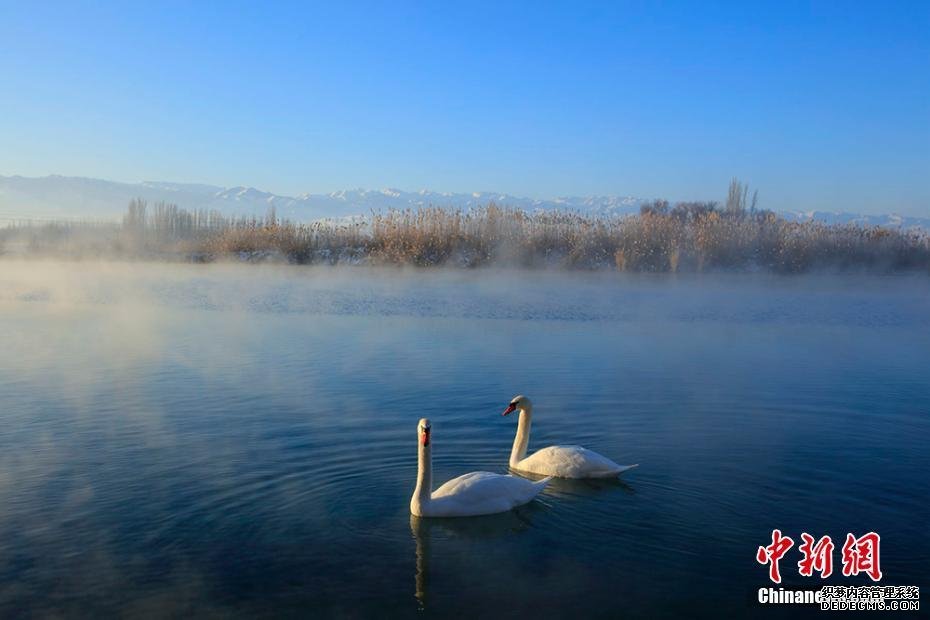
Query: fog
point(58, 312)
point(136, 295)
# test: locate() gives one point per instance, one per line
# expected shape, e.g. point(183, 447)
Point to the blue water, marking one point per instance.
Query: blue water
point(241, 440)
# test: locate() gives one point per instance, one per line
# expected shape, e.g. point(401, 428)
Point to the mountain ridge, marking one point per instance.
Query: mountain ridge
point(69, 198)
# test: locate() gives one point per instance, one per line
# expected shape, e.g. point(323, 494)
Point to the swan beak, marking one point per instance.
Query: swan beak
point(425, 437)
point(510, 409)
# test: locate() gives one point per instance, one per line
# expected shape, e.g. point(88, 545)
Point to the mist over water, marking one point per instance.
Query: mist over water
point(240, 440)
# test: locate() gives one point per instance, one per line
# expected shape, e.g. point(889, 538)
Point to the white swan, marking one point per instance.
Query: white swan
point(477, 493)
point(558, 461)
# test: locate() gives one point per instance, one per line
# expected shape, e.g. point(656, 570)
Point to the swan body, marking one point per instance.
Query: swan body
point(557, 461)
point(481, 493)
point(469, 495)
point(570, 462)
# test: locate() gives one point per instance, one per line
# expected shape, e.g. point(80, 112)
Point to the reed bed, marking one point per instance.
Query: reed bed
point(687, 237)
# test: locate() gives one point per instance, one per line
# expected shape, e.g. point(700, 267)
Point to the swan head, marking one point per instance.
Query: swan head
point(518, 402)
point(424, 428)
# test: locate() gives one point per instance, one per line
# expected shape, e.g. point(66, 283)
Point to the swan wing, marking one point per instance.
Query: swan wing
point(482, 492)
point(571, 462)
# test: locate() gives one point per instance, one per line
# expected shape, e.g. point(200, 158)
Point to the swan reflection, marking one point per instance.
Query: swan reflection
point(488, 527)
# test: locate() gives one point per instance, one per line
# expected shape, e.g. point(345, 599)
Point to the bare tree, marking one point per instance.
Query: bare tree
point(737, 199)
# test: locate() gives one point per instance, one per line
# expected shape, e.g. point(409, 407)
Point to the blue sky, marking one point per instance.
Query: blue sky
point(817, 104)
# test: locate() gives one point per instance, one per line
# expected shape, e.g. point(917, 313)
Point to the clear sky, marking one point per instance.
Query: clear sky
point(817, 104)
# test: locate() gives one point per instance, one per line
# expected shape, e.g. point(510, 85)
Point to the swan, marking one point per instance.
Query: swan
point(557, 461)
point(469, 495)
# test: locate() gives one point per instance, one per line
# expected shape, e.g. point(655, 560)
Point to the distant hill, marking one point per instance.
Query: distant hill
point(828, 217)
point(70, 198)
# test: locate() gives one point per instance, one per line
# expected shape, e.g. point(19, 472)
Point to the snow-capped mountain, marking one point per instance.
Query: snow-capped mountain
point(356, 201)
point(75, 198)
point(891, 220)
point(58, 197)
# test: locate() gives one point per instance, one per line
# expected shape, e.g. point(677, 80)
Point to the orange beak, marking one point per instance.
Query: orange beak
point(510, 409)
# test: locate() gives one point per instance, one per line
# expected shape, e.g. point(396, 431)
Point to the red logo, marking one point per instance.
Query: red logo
point(817, 557)
point(773, 553)
point(860, 555)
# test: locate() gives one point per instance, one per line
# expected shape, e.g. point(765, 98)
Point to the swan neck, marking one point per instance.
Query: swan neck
point(522, 440)
point(423, 490)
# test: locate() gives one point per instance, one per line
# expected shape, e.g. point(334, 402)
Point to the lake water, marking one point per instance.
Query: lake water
point(241, 440)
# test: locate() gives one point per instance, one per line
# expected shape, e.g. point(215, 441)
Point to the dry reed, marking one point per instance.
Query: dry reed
point(689, 237)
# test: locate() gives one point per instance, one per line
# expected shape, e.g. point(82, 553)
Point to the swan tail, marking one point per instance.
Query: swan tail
point(611, 473)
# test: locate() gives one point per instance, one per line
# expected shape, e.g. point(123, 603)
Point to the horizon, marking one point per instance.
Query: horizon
point(819, 107)
point(324, 193)
point(60, 198)
point(489, 194)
